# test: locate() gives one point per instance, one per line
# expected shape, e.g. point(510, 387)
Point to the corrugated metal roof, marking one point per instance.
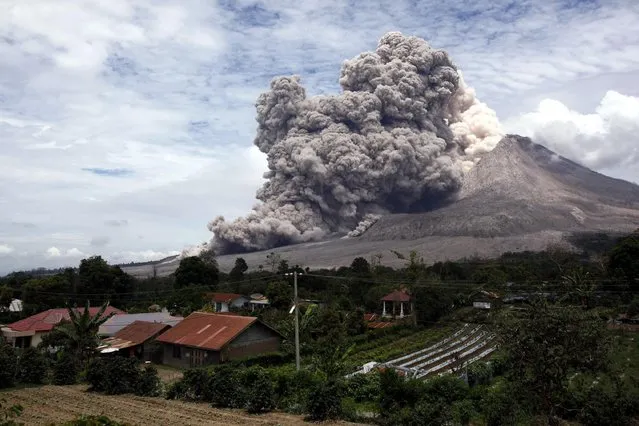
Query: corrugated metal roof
point(118, 322)
point(45, 321)
point(133, 334)
point(207, 331)
point(370, 317)
point(224, 297)
point(380, 324)
point(397, 296)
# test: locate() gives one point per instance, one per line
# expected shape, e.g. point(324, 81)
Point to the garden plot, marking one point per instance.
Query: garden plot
point(47, 405)
point(467, 345)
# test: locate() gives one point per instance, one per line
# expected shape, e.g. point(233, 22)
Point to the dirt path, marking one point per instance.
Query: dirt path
point(54, 404)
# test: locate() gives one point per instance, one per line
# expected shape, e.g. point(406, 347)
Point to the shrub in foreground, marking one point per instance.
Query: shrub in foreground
point(226, 388)
point(32, 367)
point(65, 369)
point(148, 383)
point(118, 375)
point(325, 401)
point(8, 365)
point(260, 397)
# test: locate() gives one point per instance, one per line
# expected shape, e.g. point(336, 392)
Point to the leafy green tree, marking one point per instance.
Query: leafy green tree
point(547, 343)
point(361, 267)
point(208, 257)
point(283, 267)
point(95, 275)
point(6, 296)
point(81, 331)
point(431, 302)
point(623, 262)
point(237, 273)
point(8, 365)
point(193, 271)
point(44, 293)
point(32, 367)
point(279, 294)
point(113, 375)
point(355, 323)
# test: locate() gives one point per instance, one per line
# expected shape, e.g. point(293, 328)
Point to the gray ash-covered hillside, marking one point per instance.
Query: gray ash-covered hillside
point(522, 188)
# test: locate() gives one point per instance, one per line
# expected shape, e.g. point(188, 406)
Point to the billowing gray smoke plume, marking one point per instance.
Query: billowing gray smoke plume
point(398, 139)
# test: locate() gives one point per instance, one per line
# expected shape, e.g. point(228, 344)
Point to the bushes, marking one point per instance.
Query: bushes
point(149, 382)
point(118, 375)
point(65, 369)
point(226, 388)
point(604, 400)
point(8, 365)
point(195, 385)
point(363, 387)
point(325, 401)
point(260, 398)
point(32, 367)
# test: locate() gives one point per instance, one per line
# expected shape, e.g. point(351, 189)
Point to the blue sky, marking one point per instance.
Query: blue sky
point(127, 125)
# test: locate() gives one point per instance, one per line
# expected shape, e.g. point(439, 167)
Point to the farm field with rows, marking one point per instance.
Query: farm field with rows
point(48, 405)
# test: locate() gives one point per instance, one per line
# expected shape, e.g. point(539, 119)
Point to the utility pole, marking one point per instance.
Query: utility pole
point(296, 307)
point(297, 323)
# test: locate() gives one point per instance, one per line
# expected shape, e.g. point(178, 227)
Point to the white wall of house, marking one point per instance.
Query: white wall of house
point(221, 307)
point(237, 303)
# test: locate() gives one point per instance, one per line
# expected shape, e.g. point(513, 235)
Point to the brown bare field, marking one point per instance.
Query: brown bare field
point(54, 404)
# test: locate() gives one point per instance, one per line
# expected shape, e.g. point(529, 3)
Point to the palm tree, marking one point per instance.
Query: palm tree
point(82, 330)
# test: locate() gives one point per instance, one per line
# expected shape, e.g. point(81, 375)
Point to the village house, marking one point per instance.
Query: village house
point(118, 322)
point(206, 338)
point(257, 301)
point(223, 302)
point(397, 304)
point(134, 340)
point(28, 332)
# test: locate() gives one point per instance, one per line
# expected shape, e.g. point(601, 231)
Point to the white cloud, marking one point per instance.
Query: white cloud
point(605, 139)
point(165, 90)
point(54, 252)
point(5, 249)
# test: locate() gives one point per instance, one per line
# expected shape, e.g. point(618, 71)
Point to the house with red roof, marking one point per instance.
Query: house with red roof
point(134, 340)
point(224, 302)
point(205, 338)
point(29, 331)
point(397, 304)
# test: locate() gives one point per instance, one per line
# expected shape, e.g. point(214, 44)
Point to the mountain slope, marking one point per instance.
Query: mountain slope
point(518, 188)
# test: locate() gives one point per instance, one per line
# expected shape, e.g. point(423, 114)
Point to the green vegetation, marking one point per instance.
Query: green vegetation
point(117, 375)
point(557, 362)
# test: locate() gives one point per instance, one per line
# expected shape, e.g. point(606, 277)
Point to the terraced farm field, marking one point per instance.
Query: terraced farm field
point(48, 405)
point(452, 350)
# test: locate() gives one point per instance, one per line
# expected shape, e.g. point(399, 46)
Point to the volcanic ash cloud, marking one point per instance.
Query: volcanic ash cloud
point(397, 139)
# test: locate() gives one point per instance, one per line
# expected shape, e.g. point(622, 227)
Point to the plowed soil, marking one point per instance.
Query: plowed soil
point(55, 404)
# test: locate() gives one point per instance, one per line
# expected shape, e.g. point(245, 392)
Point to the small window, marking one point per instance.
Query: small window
point(177, 351)
point(23, 342)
